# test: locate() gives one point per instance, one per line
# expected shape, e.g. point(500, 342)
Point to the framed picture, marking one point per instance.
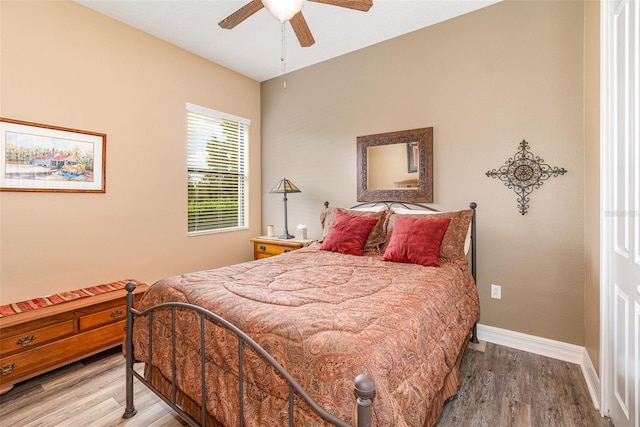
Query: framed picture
point(412, 157)
point(36, 157)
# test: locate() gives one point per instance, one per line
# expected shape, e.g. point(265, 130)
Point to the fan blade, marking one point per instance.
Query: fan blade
point(300, 27)
point(241, 14)
point(363, 5)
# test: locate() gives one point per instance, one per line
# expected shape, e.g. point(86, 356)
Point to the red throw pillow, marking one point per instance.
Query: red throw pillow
point(348, 233)
point(416, 240)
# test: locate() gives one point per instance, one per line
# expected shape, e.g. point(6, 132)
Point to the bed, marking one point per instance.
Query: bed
point(279, 341)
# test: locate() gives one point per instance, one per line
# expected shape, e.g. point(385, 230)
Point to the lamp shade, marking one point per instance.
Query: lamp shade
point(283, 10)
point(285, 186)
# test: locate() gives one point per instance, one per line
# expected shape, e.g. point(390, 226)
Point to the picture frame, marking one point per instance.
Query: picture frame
point(45, 158)
point(412, 157)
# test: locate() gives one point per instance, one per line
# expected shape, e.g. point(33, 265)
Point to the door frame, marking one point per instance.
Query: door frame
point(606, 224)
point(605, 320)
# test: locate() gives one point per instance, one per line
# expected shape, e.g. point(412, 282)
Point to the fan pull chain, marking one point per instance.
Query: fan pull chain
point(282, 56)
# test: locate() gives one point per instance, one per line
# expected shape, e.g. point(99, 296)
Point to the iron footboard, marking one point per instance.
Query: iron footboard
point(363, 384)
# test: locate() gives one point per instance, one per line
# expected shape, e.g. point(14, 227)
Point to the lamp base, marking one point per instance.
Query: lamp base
point(286, 236)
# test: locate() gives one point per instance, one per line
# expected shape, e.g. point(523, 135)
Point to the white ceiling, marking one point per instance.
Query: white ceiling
point(254, 47)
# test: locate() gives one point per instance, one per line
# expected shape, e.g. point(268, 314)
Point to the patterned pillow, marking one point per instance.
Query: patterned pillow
point(348, 233)
point(453, 243)
point(416, 240)
point(377, 235)
point(467, 241)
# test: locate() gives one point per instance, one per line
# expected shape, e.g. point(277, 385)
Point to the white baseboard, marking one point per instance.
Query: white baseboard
point(591, 378)
point(549, 348)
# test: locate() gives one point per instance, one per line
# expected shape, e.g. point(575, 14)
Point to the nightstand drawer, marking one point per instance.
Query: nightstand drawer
point(271, 249)
point(265, 247)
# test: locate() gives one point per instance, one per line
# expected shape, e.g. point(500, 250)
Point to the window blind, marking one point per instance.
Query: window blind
point(217, 145)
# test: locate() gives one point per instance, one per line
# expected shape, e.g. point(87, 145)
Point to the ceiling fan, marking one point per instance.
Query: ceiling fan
point(289, 10)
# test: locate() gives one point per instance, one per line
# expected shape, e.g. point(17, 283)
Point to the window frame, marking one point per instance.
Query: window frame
point(216, 117)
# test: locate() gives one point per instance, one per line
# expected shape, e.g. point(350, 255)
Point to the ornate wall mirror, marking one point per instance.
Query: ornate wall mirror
point(396, 166)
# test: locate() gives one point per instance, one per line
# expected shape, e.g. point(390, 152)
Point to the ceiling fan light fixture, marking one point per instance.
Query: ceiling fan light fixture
point(283, 10)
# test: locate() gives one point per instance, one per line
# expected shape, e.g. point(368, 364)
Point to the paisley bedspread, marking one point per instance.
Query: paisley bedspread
point(325, 317)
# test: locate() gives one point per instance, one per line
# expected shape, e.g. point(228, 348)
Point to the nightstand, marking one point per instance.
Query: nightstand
point(265, 247)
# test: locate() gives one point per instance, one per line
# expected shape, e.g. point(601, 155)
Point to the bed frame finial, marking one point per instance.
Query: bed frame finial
point(365, 388)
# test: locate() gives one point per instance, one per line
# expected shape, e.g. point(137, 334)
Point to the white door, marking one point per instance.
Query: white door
point(621, 211)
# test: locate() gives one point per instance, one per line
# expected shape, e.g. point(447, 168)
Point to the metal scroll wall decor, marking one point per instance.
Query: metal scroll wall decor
point(523, 173)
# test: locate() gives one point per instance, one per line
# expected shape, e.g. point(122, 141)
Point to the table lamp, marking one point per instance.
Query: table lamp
point(285, 186)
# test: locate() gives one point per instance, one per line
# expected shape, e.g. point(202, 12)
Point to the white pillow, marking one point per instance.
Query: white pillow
point(405, 211)
point(369, 209)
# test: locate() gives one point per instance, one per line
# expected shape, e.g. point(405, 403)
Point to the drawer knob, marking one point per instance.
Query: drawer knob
point(8, 368)
point(287, 250)
point(117, 313)
point(27, 340)
point(263, 248)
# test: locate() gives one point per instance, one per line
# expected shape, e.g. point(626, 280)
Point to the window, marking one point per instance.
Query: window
point(217, 145)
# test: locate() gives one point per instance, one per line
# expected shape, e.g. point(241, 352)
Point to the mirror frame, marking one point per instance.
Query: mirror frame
point(424, 192)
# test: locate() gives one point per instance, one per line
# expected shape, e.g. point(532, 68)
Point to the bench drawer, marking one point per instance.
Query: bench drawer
point(49, 356)
point(103, 317)
point(36, 337)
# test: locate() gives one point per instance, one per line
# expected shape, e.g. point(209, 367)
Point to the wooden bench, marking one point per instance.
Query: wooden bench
point(37, 341)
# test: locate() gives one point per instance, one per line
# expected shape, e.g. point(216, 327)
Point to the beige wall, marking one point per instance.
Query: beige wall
point(592, 180)
point(484, 81)
point(65, 65)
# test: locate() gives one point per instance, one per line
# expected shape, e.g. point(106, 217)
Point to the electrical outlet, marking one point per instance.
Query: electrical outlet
point(496, 291)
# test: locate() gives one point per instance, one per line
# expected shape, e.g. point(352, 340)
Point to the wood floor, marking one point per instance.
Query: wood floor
point(506, 387)
point(500, 387)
